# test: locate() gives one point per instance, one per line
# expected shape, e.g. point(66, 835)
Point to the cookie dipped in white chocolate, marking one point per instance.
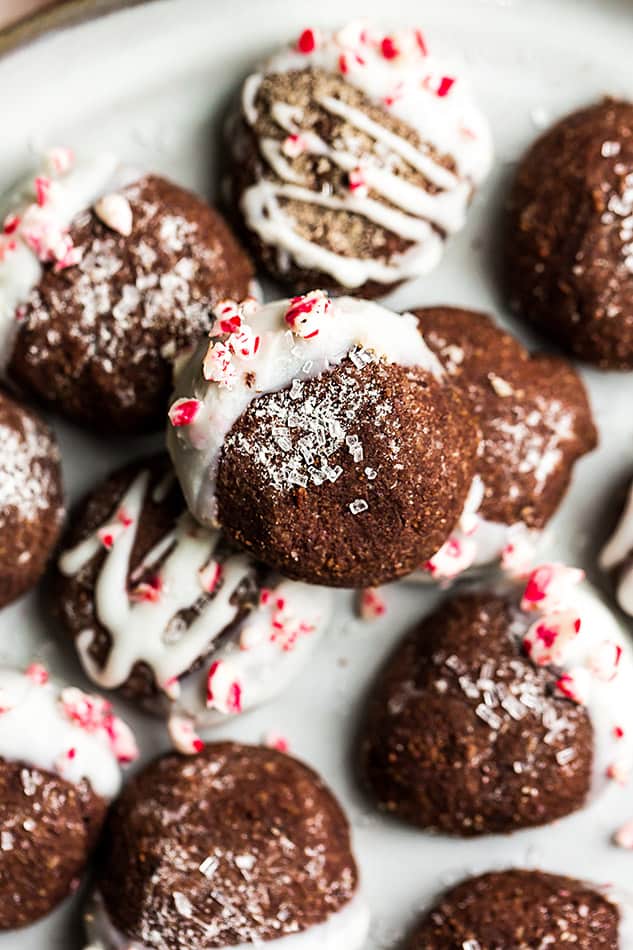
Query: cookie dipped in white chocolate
point(357, 153)
point(161, 607)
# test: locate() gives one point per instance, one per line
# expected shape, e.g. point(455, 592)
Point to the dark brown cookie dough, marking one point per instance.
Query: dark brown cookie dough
point(299, 162)
point(98, 339)
point(448, 742)
point(49, 827)
point(568, 264)
point(384, 514)
point(533, 412)
point(237, 845)
point(521, 910)
point(31, 497)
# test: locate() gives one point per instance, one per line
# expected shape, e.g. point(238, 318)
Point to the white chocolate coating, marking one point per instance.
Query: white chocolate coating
point(282, 357)
point(35, 729)
point(616, 555)
point(72, 191)
point(345, 930)
point(264, 652)
point(406, 87)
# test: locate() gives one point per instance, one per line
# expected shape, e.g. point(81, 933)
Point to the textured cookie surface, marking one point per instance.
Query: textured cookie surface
point(97, 339)
point(533, 412)
point(464, 734)
point(568, 262)
point(521, 910)
point(31, 497)
point(237, 845)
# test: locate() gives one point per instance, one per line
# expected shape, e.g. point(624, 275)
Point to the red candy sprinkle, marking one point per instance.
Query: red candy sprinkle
point(184, 411)
point(306, 43)
point(371, 604)
point(42, 190)
point(343, 64)
point(445, 86)
point(419, 38)
point(11, 223)
point(273, 740)
point(149, 591)
point(37, 673)
point(389, 48)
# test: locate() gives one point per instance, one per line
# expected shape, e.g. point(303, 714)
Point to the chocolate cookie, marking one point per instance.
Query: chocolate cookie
point(328, 444)
point(500, 712)
point(110, 291)
point(239, 845)
point(535, 421)
point(169, 613)
point(31, 497)
point(55, 784)
point(355, 155)
point(568, 245)
point(522, 910)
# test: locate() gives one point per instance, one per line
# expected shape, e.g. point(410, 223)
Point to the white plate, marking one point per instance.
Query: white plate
point(153, 83)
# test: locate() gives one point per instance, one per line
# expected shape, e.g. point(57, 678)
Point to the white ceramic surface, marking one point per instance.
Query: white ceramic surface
point(153, 83)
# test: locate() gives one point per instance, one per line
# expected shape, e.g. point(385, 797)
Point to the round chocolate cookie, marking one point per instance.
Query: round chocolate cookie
point(239, 845)
point(535, 420)
point(522, 910)
point(335, 451)
point(31, 497)
point(172, 615)
point(355, 155)
point(114, 291)
point(55, 783)
point(500, 712)
point(568, 264)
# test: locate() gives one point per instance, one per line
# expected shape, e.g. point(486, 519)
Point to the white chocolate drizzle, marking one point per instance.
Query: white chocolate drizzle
point(403, 86)
point(267, 649)
point(348, 326)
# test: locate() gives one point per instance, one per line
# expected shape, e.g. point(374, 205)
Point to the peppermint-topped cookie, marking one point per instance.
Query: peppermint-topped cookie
point(240, 846)
point(106, 277)
point(355, 155)
point(31, 497)
point(60, 755)
point(323, 436)
point(171, 614)
point(502, 711)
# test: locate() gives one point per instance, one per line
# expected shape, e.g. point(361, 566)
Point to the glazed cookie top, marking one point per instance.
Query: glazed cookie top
point(151, 596)
point(522, 910)
point(268, 349)
point(82, 738)
point(240, 844)
point(535, 420)
point(369, 148)
point(525, 694)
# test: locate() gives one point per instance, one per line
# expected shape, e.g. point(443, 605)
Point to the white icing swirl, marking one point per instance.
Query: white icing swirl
point(37, 729)
point(616, 554)
point(72, 191)
point(405, 85)
point(265, 652)
point(347, 928)
point(282, 357)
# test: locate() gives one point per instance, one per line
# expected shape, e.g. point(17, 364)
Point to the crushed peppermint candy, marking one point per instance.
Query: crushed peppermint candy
point(224, 690)
point(305, 313)
point(371, 604)
point(183, 735)
point(183, 412)
point(549, 587)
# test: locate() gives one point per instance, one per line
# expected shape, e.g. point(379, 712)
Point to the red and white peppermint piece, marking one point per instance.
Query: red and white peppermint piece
point(217, 366)
point(183, 735)
point(623, 837)
point(305, 314)
point(294, 145)
point(42, 186)
point(70, 258)
point(549, 587)
point(11, 223)
point(122, 741)
point(124, 517)
point(371, 604)
point(210, 576)
point(439, 85)
point(421, 42)
point(517, 557)
point(307, 42)
point(116, 213)
point(184, 411)
point(357, 183)
point(455, 556)
point(109, 533)
point(37, 673)
point(604, 662)
point(244, 344)
point(149, 591)
point(171, 687)
point(224, 690)
point(86, 710)
point(274, 740)
point(548, 640)
point(228, 317)
point(60, 159)
point(575, 685)
point(389, 48)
